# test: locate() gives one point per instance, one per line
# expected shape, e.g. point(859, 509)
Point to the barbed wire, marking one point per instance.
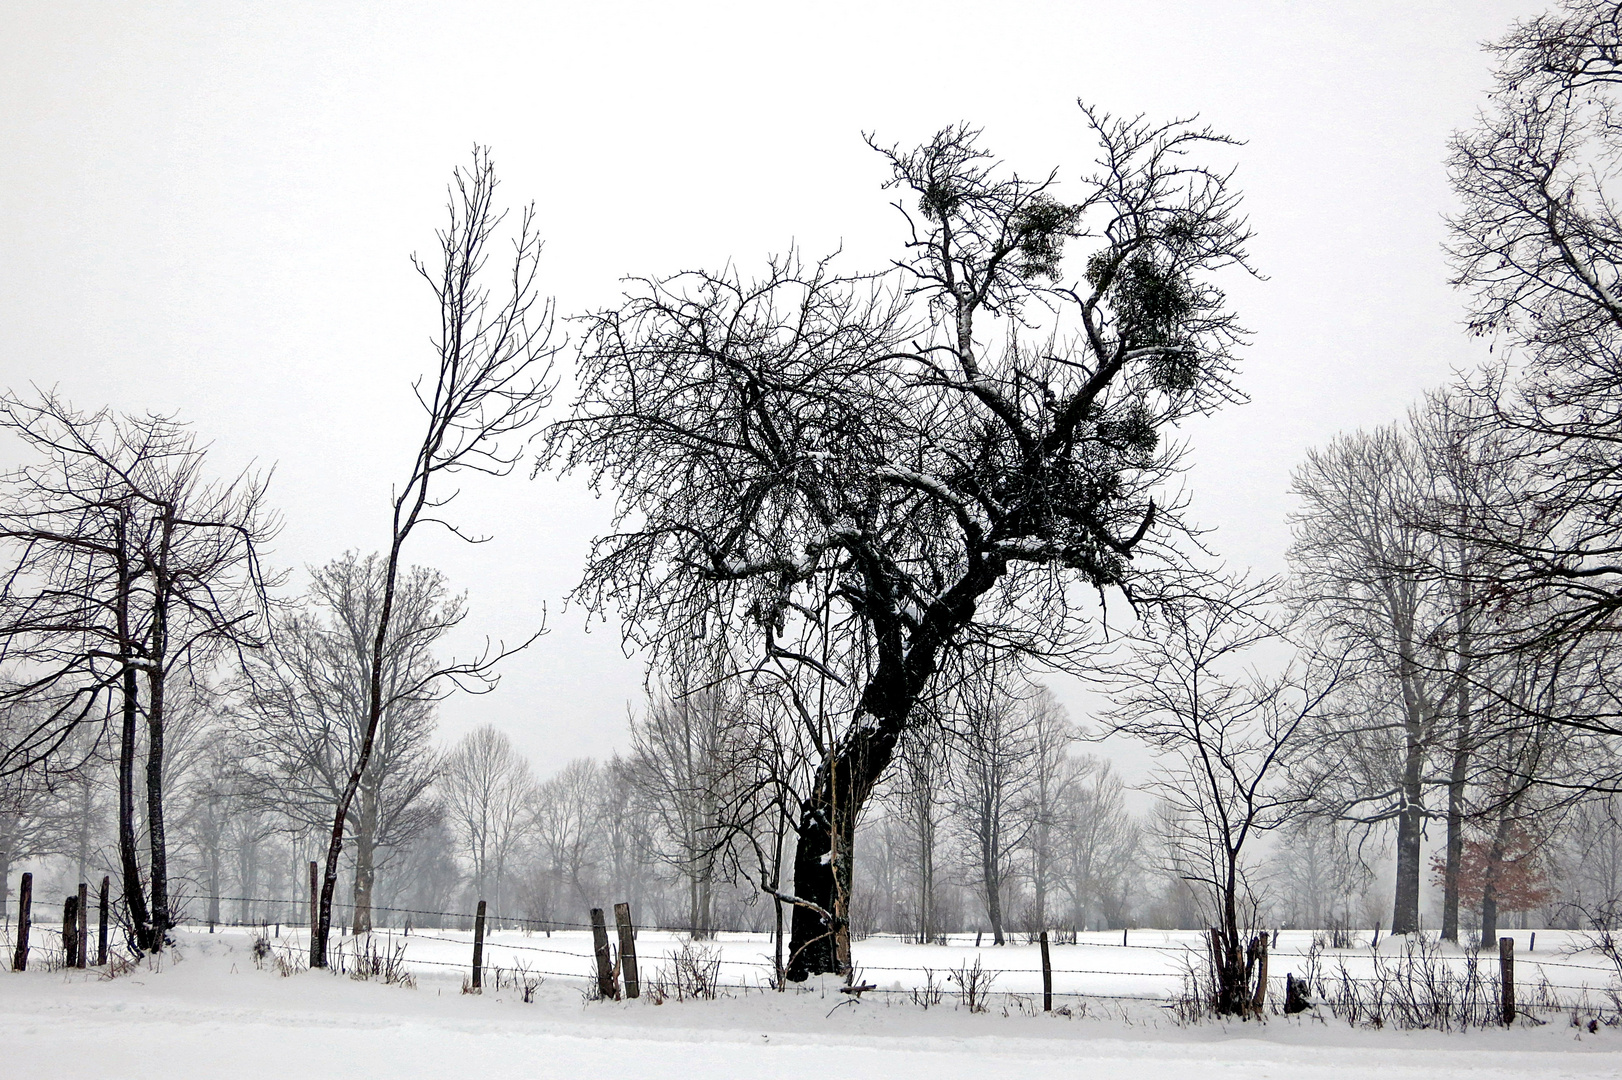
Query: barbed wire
point(1187, 953)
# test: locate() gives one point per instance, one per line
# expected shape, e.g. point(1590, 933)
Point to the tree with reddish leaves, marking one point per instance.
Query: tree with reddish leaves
point(1502, 865)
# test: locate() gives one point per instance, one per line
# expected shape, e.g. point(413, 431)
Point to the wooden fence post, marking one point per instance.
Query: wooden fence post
point(1506, 976)
point(25, 904)
point(1047, 976)
point(101, 931)
point(606, 984)
point(622, 920)
point(1259, 1002)
point(82, 952)
point(1123, 937)
point(478, 948)
point(70, 931)
point(315, 914)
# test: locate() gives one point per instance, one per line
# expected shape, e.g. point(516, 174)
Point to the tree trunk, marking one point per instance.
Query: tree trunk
point(129, 862)
point(1232, 996)
point(1455, 844)
point(826, 836)
point(365, 860)
point(1405, 914)
point(1039, 880)
point(248, 875)
point(991, 874)
point(157, 839)
point(215, 859)
point(813, 949)
point(1489, 888)
point(926, 882)
point(158, 656)
point(1462, 736)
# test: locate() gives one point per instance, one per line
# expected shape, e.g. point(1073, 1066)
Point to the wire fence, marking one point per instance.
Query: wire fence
point(1186, 962)
point(1183, 970)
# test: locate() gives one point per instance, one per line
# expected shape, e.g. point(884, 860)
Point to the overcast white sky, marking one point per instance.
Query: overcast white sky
point(207, 209)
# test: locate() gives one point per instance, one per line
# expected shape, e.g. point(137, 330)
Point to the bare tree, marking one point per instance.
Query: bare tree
point(494, 360)
point(1318, 873)
point(1358, 560)
point(1537, 244)
point(1099, 843)
point(128, 568)
point(684, 746)
point(29, 827)
point(626, 823)
point(489, 799)
point(921, 798)
point(302, 710)
point(565, 821)
point(1224, 735)
point(911, 462)
point(992, 749)
point(1050, 775)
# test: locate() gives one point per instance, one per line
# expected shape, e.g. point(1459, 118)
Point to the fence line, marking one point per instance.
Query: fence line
point(926, 971)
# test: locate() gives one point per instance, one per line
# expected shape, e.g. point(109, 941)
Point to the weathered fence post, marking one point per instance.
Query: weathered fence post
point(101, 929)
point(1533, 946)
point(25, 904)
point(81, 952)
point(606, 985)
point(70, 931)
point(1506, 976)
point(1123, 937)
point(1047, 976)
point(478, 947)
point(622, 920)
point(1259, 1002)
point(315, 914)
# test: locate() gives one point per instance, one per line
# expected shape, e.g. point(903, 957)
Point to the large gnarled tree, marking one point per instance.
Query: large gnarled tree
point(846, 478)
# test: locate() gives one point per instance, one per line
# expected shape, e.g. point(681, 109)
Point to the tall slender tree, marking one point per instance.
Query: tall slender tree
point(491, 382)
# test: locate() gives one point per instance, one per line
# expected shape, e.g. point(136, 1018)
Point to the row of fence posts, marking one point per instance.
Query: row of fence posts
point(610, 969)
point(75, 926)
point(1506, 974)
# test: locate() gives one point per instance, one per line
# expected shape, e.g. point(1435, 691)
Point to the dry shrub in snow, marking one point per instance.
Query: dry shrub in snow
point(693, 971)
point(973, 984)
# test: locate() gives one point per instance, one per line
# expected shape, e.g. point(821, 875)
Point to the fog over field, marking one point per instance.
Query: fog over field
point(1041, 512)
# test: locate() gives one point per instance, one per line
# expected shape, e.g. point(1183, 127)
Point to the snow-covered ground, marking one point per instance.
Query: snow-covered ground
point(208, 1010)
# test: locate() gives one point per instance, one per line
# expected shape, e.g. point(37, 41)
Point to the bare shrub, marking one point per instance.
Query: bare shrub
point(518, 977)
point(973, 984)
point(929, 994)
point(693, 971)
point(365, 960)
point(1418, 988)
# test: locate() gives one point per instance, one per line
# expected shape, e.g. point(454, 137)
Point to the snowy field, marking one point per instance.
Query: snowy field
point(208, 1010)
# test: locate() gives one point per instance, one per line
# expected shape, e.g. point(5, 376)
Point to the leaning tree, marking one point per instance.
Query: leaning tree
point(843, 479)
